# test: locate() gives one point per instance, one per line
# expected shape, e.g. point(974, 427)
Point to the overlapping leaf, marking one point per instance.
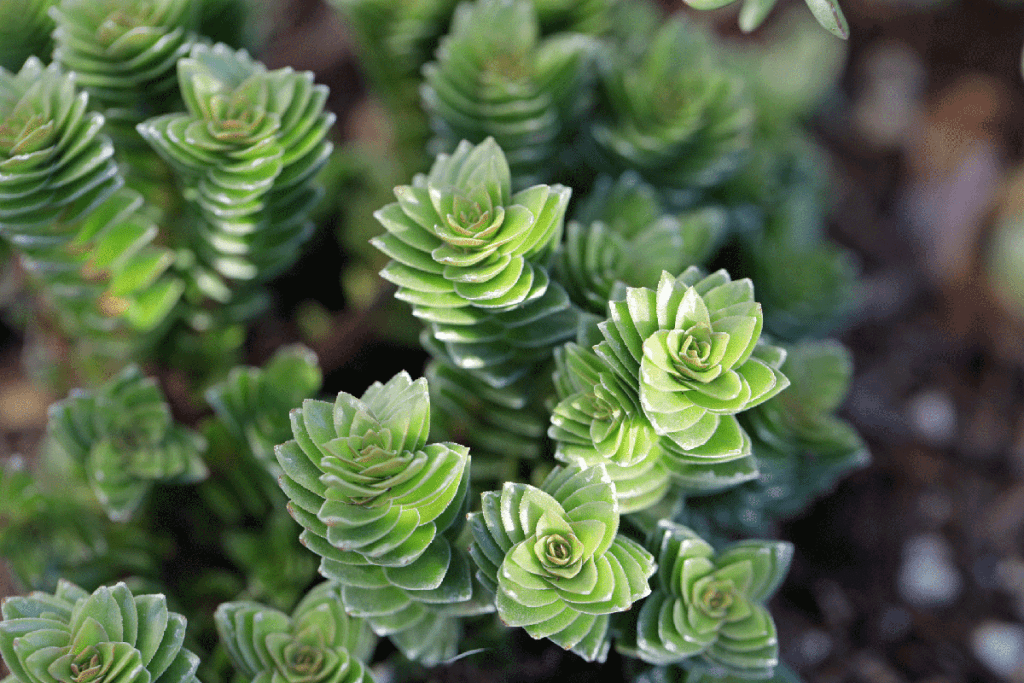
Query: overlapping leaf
point(554, 560)
point(710, 604)
point(109, 635)
point(124, 438)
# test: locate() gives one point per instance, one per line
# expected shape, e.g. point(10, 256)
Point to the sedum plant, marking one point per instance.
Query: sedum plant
point(601, 247)
point(111, 634)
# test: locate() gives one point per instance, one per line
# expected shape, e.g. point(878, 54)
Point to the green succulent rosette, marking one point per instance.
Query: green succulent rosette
point(253, 403)
point(377, 503)
point(248, 147)
point(25, 28)
point(124, 438)
point(696, 673)
point(318, 643)
point(459, 237)
point(673, 114)
point(54, 164)
point(468, 255)
point(598, 420)
point(110, 635)
point(690, 346)
point(496, 77)
point(710, 605)
point(554, 561)
point(124, 52)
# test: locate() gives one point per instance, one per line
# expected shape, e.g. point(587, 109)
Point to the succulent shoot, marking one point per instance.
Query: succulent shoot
point(554, 559)
point(125, 51)
point(123, 436)
point(319, 643)
point(495, 76)
point(110, 635)
point(711, 605)
point(249, 146)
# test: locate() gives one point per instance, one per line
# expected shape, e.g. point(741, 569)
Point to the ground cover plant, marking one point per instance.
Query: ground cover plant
point(610, 237)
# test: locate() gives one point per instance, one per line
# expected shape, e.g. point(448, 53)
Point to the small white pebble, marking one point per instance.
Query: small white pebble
point(813, 647)
point(928, 577)
point(933, 416)
point(1000, 647)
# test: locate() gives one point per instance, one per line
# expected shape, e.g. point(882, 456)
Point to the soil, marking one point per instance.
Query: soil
point(912, 570)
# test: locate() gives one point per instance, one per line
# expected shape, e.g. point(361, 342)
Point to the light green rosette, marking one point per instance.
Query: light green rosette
point(319, 643)
point(673, 114)
point(554, 560)
point(691, 348)
point(495, 76)
point(124, 438)
point(54, 165)
point(381, 507)
point(248, 148)
point(469, 256)
point(124, 51)
point(253, 403)
point(710, 605)
point(111, 635)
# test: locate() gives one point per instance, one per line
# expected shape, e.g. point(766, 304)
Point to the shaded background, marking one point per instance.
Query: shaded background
point(913, 569)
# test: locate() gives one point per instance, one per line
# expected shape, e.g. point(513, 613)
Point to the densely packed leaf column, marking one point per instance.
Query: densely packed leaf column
point(383, 509)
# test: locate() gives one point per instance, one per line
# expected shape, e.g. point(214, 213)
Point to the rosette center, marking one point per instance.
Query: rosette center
point(87, 666)
point(25, 130)
point(561, 554)
point(716, 598)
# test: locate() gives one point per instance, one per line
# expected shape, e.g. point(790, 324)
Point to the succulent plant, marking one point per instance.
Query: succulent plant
point(673, 115)
point(691, 349)
point(319, 643)
point(249, 146)
point(598, 420)
point(123, 436)
point(124, 52)
point(106, 636)
point(495, 77)
point(53, 163)
point(554, 559)
point(467, 253)
point(710, 604)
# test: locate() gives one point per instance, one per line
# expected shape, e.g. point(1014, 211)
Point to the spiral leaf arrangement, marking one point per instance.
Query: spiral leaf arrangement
point(124, 438)
point(248, 147)
point(319, 643)
point(672, 115)
point(711, 605)
point(467, 253)
point(110, 635)
point(381, 506)
point(495, 77)
point(554, 560)
point(125, 52)
point(88, 239)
